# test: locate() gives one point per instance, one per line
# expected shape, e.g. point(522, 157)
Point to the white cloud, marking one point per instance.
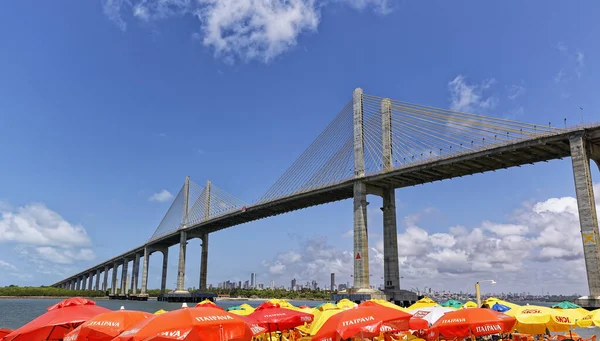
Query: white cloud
point(35, 224)
point(515, 90)
point(560, 46)
point(539, 241)
point(64, 256)
point(239, 29)
point(7, 265)
point(580, 63)
point(469, 97)
point(161, 196)
point(561, 76)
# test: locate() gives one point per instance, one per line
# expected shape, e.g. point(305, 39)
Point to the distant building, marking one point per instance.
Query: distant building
point(293, 286)
point(332, 287)
point(253, 280)
point(272, 286)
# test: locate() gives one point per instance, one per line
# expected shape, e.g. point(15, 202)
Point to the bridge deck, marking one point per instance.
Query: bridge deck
point(520, 153)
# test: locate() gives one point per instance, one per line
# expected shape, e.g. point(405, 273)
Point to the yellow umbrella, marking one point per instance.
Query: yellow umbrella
point(327, 306)
point(318, 321)
point(533, 319)
point(161, 311)
point(388, 304)
point(246, 306)
point(493, 300)
point(423, 303)
point(590, 319)
point(241, 312)
point(470, 304)
point(345, 304)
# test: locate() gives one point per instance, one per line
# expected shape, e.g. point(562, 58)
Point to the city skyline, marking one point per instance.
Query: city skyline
point(103, 123)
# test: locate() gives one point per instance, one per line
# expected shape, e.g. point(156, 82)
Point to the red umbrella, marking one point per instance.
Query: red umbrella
point(192, 324)
point(4, 331)
point(210, 304)
point(273, 317)
point(366, 321)
point(104, 327)
point(60, 319)
point(415, 323)
point(472, 321)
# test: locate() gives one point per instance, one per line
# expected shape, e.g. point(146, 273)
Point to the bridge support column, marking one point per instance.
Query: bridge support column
point(135, 274)
point(78, 283)
point(91, 280)
point(105, 281)
point(588, 218)
point(124, 276)
point(113, 285)
point(361, 242)
point(163, 281)
point(391, 270)
point(98, 272)
point(144, 289)
point(181, 266)
point(204, 262)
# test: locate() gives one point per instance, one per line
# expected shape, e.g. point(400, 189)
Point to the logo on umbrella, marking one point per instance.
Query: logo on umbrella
point(358, 320)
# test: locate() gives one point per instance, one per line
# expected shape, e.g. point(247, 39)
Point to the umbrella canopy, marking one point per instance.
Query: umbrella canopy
point(566, 305)
point(320, 318)
point(4, 331)
point(345, 303)
point(366, 321)
point(105, 326)
point(452, 304)
point(493, 300)
point(431, 314)
point(533, 319)
point(206, 324)
point(208, 303)
point(59, 319)
point(160, 311)
point(500, 307)
point(415, 322)
point(470, 304)
point(423, 303)
point(590, 319)
point(474, 321)
point(276, 318)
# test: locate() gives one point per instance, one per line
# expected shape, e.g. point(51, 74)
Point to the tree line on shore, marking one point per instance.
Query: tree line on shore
point(44, 291)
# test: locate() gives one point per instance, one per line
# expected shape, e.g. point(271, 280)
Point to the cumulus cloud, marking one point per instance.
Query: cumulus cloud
point(239, 29)
point(515, 91)
point(470, 97)
point(7, 265)
point(161, 196)
point(539, 241)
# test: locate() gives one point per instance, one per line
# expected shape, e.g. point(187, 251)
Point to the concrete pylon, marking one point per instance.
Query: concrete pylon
point(113, 284)
point(144, 290)
point(361, 242)
point(90, 281)
point(135, 273)
point(186, 198)
point(105, 281)
point(391, 270)
point(124, 276)
point(98, 272)
point(204, 262)
point(588, 219)
point(165, 266)
point(181, 265)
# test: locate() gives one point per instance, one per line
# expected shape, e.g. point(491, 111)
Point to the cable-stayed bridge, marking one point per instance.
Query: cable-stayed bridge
point(373, 146)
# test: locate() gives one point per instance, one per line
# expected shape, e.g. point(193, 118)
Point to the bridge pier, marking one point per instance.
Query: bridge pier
point(97, 286)
point(105, 281)
point(163, 281)
point(145, 265)
point(581, 151)
point(204, 262)
point(181, 265)
point(135, 274)
point(113, 285)
point(124, 277)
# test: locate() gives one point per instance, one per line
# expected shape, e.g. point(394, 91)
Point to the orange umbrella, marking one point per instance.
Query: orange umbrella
point(60, 319)
point(106, 326)
point(415, 323)
point(192, 324)
point(276, 318)
point(366, 321)
point(473, 321)
point(4, 331)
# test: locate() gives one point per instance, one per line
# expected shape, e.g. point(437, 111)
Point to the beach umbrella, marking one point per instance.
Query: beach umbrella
point(345, 303)
point(566, 305)
point(500, 307)
point(470, 304)
point(431, 314)
point(4, 332)
point(415, 322)
point(533, 319)
point(208, 303)
point(387, 304)
point(423, 303)
point(206, 324)
point(452, 304)
point(276, 318)
point(320, 317)
point(493, 300)
point(474, 321)
point(160, 311)
point(364, 321)
point(58, 320)
point(105, 326)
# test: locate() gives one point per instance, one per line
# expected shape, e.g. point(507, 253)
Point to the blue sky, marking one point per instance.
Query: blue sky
point(105, 103)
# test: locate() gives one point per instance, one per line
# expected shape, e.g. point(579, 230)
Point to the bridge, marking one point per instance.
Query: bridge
point(372, 147)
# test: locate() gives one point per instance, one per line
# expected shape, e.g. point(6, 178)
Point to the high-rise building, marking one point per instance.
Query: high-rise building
point(293, 284)
point(332, 287)
point(253, 280)
point(272, 286)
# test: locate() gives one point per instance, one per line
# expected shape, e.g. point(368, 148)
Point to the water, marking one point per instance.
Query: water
point(16, 312)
